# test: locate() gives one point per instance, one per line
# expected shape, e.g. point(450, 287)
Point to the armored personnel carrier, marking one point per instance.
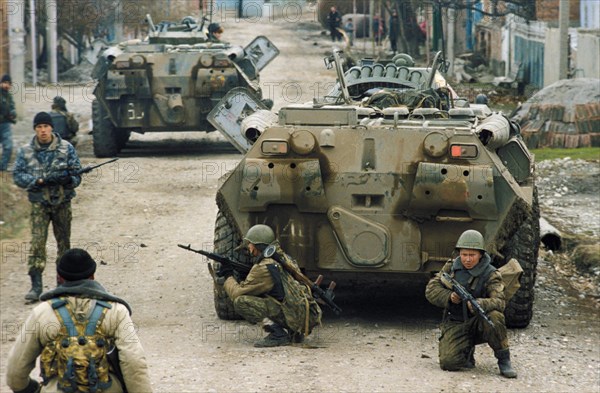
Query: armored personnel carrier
point(169, 81)
point(376, 181)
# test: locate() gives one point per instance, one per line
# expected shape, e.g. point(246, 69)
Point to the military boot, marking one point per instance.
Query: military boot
point(36, 286)
point(504, 365)
point(471, 358)
point(276, 338)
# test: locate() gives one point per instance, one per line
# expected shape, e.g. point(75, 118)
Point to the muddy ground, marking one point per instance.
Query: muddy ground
point(131, 214)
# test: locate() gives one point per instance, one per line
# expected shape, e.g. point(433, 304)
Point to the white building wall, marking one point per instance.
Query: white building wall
point(590, 14)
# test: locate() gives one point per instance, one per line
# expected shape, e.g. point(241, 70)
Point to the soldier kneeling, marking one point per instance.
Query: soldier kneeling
point(270, 291)
point(461, 328)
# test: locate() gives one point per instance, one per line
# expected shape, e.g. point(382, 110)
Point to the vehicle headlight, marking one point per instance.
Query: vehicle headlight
point(274, 147)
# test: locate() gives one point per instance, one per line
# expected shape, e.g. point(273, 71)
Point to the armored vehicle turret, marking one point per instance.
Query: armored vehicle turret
point(169, 82)
point(376, 181)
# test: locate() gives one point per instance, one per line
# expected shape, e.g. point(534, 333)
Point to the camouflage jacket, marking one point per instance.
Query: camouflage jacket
point(269, 278)
point(491, 298)
point(41, 328)
point(7, 107)
point(259, 281)
point(35, 161)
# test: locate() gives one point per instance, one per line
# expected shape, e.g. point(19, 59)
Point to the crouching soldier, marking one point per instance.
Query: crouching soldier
point(270, 291)
point(461, 328)
point(83, 335)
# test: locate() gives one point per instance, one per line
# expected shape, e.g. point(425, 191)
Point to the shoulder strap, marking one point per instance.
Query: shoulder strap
point(278, 291)
point(96, 317)
point(60, 307)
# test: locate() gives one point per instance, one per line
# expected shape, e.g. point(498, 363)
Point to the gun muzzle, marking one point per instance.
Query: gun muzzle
point(319, 280)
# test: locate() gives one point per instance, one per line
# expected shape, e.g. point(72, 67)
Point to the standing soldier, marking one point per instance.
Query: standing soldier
point(461, 328)
point(44, 167)
point(270, 291)
point(334, 20)
point(64, 122)
point(77, 333)
point(8, 115)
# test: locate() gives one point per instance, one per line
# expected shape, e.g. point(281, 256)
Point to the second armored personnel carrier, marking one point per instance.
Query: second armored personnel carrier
point(169, 82)
point(376, 182)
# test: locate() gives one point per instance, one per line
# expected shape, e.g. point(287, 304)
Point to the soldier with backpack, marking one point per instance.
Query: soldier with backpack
point(64, 121)
point(83, 335)
point(270, 291)
point(462, 328)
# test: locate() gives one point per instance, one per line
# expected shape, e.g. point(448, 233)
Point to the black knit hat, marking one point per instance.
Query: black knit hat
point(42, 118)
point(6, 78)
point(76, 264)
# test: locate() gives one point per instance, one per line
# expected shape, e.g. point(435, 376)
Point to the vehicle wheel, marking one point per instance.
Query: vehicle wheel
point(524, 247)
point(105, 140)
point(225, 241)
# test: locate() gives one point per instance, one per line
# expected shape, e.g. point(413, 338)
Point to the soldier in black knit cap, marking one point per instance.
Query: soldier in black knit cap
point(79, 304)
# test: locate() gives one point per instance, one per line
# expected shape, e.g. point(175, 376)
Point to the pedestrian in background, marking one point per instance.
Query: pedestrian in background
point(394, 30)
point(8, 116)
point(349, 29)
point(45, 168)
point(334, 21)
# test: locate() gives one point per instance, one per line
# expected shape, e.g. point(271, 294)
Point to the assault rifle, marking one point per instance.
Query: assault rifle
point(90, 168)
point(240, 267)
point(323, 296)
point(115, 365)
point(63, 177)
point(466, 297)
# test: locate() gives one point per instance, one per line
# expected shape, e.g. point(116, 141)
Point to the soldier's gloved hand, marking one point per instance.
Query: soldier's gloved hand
point(58, 178)
point(224, 270)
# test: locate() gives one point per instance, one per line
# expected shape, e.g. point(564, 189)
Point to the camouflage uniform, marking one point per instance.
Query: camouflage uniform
point(459, 335)
point(269, 291)
point(64, 124)
point(48, 202)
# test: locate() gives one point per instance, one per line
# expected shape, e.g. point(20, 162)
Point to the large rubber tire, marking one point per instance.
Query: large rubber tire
point(225, 241)
point(524, 247)
point(106, 143)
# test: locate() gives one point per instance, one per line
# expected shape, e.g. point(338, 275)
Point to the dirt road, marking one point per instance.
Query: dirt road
point(131, 214)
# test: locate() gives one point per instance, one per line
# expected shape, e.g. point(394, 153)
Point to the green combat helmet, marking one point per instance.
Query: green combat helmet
point(471, 239)
point(260, 234)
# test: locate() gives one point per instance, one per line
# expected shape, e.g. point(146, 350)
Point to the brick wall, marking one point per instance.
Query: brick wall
point(547, 10)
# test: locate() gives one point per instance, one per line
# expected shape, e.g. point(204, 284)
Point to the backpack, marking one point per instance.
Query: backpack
point(511, 276)
point(301, 311)
point(78, 355)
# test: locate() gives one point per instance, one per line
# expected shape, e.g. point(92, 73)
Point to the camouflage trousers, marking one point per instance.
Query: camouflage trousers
point(458, 338)
point(41, 216)
point(254, 309)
